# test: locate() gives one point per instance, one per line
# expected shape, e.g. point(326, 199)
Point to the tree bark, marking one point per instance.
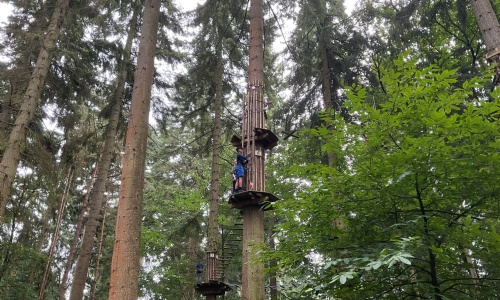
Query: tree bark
point(253, 105)
point(97, 197)
point(253, 280)
point(126, 251)
point(213, 232)
point(488, 24)
point(18, 79)
point(31, 99)
point(5, 118)
point(69, 262)
point(432, 256)
point(55, 235)
point(93, 287)
point(327, 91)
point(490, 32)
point(273, 282)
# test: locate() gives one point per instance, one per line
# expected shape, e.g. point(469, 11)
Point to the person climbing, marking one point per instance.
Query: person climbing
point(233, 174)
point(199, 272)
point(241, 161)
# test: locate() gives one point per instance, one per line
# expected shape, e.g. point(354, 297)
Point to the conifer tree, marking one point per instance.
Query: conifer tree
point(126, 250)
point(29, 106)
point(98, 194)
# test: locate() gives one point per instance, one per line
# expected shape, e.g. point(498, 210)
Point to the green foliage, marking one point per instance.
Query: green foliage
point(416, 195)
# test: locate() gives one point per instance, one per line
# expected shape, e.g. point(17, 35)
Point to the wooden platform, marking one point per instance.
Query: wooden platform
point(212, 288)
point(263, 137)
point(243, 199)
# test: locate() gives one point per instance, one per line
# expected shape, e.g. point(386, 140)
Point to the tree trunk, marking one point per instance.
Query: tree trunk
point(327, 92)
point(97, 197)
point(69, 262)
point(253, 105)
point(253, 280)
point(31, 99)
point(490, 31)
point(273, 283)
point(213, 232)
point(55, 235)
point(18, 78)
point(488, 24)
point(5, 118)
point(93, 287)
point(126, 251)
point(433, 271)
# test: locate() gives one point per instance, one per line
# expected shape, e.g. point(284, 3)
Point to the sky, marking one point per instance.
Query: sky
point(5, 8)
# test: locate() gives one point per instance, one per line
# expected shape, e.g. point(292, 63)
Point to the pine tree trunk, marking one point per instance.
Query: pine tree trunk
point(490, 32)
point(213, 231)
point(93, 287)
point(31, 99)
point(253, 105)
point(69, 262)
point(488, 24)
point(126, 251)
point(273, 283)
point(18, 79)
point(5, 119)
point(253, 280)
point(327, 92)
point(97, 197)
point(55, 235)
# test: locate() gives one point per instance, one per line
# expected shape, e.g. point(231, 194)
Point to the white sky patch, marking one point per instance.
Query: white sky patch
point(5, 11)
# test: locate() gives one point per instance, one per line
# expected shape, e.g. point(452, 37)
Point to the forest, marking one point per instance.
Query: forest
point(117, 127)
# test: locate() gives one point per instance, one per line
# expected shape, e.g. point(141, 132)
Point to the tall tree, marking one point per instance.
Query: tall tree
point(126, 250)
point(213, 232)
point(29, 106)
point(98, 194)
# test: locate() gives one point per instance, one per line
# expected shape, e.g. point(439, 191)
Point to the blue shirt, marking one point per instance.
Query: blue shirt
point(241, 159)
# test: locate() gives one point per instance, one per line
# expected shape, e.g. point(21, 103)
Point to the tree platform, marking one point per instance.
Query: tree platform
point(247, 198)
point(264, 137)
point(212, 288)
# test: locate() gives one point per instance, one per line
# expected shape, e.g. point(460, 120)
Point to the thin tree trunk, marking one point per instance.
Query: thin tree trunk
point(126, 251)
point(69, 262)
point(413, 280)
point(327, 92)
point(29, 106)
point(272, 263)
point(5, 118)
point(213, 231)
point(55, 235)
point(93, 287)
point(193, 245)
point(432, 256)
point(472, 269)
point(97, 196)
point(18, 79)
